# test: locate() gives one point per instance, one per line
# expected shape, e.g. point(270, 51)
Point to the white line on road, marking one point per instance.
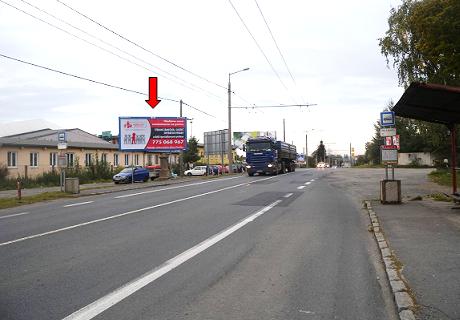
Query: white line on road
point(301, 187)
point(170, 188)
point(312, 180)
point(14, 215)
point(125, 213)
point(77, 204)
point(307, 183)
point(288, 195)
point(92, 310)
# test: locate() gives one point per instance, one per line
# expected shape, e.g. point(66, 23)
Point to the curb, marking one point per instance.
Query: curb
point(404, 302)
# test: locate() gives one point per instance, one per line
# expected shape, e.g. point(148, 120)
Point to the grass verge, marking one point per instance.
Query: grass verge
point(14, 202)
point(442, 177)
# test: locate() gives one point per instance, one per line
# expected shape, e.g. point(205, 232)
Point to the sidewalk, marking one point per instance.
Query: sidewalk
point(105, 187)
point(423, 235)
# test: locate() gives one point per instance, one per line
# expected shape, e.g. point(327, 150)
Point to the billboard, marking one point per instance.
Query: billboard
point(240, 138)
point(163, 134)
point(216, 142)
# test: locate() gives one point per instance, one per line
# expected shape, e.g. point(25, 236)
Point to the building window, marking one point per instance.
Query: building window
point(53, 159)
point(115, 160)
point(70, 159)
point(126, 159)
point(136, 159)
point(104, 158)
point(34, 159)
point(149, 159)
point(12, 158)
point(88, 159)
point(156, 159)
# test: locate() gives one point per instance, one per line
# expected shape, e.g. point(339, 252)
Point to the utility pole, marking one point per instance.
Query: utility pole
point(306, 149)
point(229, 154)
point(350, 156)
point(284, 130)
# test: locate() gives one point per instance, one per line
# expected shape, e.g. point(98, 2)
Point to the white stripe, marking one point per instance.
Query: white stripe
point(124, 214)
point(307, 183)
point(288, 195)
point(176, 187)
point(312, 180)
point(301, 187)
point(92, 310)
point(77, 204)
point(14, 215)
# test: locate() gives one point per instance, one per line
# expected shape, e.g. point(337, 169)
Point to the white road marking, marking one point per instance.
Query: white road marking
point(14, 215)
point(92, 310)
point(171, 188)
point(301, 187)
point(312, 180)
point(124, 214)
point(307, 183)
point(77, 204)
point(288, 195)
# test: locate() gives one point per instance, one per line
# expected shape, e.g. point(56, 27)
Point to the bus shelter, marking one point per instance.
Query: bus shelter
point(433, 103)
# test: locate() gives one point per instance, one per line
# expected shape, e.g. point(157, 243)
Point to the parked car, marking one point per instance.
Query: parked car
point(154, 171)
point(197, 171)
point(126, 175)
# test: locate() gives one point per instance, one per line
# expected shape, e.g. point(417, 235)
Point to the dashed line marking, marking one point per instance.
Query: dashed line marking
point(287, 195)
point(312, 180)
point(14, 215)
point(301, 187)
point(307, 183)
point(77, 204)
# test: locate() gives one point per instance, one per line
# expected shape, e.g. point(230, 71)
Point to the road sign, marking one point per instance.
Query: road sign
point(387, 132)
point(387, 118)
point(62, 136)
point(395, 141)
point(62, 145)
point(390, 147)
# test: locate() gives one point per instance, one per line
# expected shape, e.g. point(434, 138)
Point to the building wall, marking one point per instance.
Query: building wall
point(422, 158)
point(23, 163)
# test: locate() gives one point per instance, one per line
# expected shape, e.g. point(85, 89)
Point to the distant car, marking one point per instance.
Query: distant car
point(154, 171)
point(321, 165)
point(126, 175)
point(197, 171)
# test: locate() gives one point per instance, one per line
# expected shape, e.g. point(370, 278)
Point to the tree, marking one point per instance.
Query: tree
point(191, 154)
point(424, 41)
point(320, 152)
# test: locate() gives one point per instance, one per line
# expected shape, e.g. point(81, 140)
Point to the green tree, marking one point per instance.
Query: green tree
point(191, 154)
point(423, 40)
point(320, 152)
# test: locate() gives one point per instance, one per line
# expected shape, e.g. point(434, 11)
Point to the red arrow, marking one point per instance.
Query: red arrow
point(153, 92)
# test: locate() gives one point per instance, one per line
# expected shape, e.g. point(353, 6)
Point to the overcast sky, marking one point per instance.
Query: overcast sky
point(331, 49)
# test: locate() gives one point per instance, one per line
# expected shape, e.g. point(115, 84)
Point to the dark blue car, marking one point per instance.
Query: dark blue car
point(126, 175)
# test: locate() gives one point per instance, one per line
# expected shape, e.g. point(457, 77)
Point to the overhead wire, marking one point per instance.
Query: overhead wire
point(140, 46)
point(258, 46)
point(97, 82)
point(182, 82)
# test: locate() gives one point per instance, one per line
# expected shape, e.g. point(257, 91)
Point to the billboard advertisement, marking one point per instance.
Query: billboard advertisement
point(240, 138)
point(216, 142)
point(163, 134)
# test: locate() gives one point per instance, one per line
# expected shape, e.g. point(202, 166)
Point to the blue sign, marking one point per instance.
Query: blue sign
point(62, 137)
point(387, 118)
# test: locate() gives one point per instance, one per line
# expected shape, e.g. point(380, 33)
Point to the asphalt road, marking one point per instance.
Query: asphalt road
point(283, 247)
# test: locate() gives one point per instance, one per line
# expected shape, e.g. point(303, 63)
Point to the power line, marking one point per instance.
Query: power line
point(185, 83)
point(98, 82)
point(258, 45)
point(276, 43)
point(139, 46)
point(280, 106)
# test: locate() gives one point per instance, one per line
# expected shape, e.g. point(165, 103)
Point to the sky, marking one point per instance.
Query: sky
point(330, 49)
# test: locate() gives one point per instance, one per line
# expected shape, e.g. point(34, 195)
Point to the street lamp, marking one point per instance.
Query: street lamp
point(230, 154)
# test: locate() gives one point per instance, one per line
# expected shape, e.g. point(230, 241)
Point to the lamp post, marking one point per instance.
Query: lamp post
point(230, 154)
point(306, 146)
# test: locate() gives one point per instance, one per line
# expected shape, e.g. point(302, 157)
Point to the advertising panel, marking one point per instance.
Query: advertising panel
point(216, 142)
point(240, 138)
point(165, 134)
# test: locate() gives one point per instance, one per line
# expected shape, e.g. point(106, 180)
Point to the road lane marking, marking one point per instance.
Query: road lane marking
point(301, 187)
point(14, 215)
point(97, 307)
point(77, 204)
point(124, 214)
point(288, 195)
point(312, 180)
point(171, 188)
point(307, 183)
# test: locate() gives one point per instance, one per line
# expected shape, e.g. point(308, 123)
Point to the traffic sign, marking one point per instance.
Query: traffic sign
point(62, 136)
point(387, 118)
point(389, 156)
point(389, 147)
point(387, 132)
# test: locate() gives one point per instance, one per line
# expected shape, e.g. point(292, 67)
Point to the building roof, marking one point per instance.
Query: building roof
point(430, 102)
point(76, 138)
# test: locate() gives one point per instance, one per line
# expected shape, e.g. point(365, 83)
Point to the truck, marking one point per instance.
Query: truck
point(265, 155)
